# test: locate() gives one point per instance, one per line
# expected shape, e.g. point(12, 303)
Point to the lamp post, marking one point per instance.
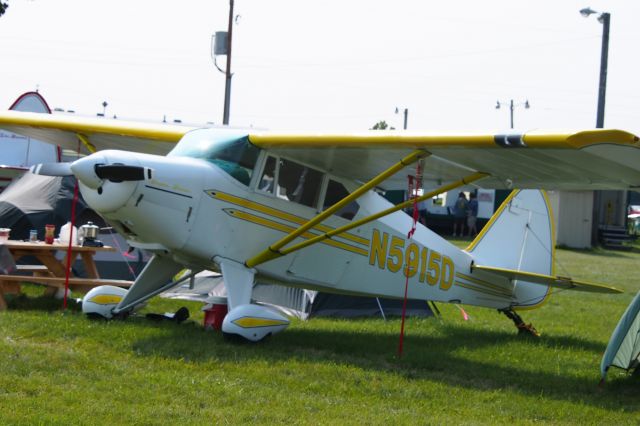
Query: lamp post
point(513, 106)
point(604, 18)
point(406, 116)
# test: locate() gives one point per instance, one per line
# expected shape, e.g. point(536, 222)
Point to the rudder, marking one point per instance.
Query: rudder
point(520, 236)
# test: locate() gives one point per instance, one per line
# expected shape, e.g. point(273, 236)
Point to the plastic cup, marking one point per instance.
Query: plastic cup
point(4, 234)
point(49, 231)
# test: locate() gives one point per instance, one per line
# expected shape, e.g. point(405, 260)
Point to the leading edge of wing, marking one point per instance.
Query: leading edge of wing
point(383, 139)
point(15, 120)
point(549, 280)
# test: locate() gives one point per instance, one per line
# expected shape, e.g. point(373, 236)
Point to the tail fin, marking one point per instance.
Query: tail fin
point(520, 236)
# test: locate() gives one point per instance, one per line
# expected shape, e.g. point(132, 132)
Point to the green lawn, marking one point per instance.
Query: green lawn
point(60, 368)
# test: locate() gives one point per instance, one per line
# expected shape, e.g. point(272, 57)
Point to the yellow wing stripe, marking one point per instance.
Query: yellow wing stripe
point(482, 290)
point(549, 280)
point(285, 228)
point(89, 126)
point(281, 215)
point(477, 281)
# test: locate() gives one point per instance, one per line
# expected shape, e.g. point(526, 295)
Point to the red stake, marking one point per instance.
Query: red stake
point(414, 194)
point(73, 221)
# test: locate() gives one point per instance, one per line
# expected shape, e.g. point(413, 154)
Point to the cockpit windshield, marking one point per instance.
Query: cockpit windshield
point(230, 151)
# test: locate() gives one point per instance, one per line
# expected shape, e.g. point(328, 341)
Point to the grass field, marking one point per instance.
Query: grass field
point(60, 368)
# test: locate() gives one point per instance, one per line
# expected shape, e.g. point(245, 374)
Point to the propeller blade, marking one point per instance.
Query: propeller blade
point(119, 172)
point(52, 169)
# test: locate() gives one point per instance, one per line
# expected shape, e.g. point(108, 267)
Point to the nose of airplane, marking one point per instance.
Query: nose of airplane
point(85, 170)
point(93, 170)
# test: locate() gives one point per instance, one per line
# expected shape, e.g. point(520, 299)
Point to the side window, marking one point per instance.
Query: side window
point(336, 192)
point(298, 183)
point(268, 175)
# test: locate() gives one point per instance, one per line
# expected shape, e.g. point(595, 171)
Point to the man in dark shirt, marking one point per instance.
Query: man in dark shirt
point(472, 217)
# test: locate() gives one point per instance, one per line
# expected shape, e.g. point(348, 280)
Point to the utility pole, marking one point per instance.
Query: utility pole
point(406, 116)
point(604, 59)
point(227, 86)
point(512, 107)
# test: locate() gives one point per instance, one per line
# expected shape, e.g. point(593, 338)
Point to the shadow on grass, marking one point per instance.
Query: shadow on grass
point(40, 303)
point(428, 358)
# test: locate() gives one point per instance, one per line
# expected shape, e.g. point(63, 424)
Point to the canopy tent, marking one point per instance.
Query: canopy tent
point(297, 302)
point(623, 350)
point(34, 201)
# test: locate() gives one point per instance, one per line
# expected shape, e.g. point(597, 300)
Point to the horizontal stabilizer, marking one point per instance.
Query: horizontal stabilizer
point(548, 280)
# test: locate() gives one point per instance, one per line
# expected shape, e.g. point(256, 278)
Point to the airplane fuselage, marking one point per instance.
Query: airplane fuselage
point(196, 213)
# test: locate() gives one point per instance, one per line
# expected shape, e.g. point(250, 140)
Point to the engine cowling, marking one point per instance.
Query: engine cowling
point(253, 322)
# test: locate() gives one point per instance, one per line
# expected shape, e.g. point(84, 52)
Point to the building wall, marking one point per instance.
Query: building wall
point(573, 216)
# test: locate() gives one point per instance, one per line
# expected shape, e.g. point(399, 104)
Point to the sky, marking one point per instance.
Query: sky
point(328, 66)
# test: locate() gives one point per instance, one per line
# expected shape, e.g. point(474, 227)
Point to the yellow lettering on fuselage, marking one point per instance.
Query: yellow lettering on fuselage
point(394, 254)
point(378, 251)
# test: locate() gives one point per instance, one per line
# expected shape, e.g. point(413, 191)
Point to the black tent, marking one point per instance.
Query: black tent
point(337, 305)
point(299, 302)
point(34, 201)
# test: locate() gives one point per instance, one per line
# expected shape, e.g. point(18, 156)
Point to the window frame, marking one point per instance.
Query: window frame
point(322, 193)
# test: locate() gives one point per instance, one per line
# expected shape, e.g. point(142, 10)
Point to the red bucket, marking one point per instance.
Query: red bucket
point(215, 312)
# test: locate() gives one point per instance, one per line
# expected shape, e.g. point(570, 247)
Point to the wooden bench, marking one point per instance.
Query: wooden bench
point(11, 284)
point(59, 282)
point(35, 270)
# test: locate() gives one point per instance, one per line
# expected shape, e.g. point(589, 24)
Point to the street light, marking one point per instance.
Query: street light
point(512, 106)
point(604, 18)
point(104, 109)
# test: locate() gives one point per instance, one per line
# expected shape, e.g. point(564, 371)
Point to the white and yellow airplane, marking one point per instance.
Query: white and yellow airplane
point(304, 210)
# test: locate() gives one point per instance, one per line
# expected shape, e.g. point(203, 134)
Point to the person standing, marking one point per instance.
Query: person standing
point(472, 217)
point(459, 214)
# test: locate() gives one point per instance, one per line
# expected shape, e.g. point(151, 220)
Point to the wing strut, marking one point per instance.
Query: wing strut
point(270, 254)
point(273, 251)
point(85, 141)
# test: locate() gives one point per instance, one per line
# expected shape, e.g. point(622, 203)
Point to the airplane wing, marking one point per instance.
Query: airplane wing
point(100, 134)
point(549, 280)
point(590, 159)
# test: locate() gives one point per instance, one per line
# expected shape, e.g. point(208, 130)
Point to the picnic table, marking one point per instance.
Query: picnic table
point(51, 271)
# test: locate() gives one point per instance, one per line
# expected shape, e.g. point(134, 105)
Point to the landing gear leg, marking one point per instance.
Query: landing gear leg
point(249, 321)
point(523, 328)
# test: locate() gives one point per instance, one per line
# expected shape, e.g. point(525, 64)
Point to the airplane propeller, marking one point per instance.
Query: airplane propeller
point(52, 169)
point(112, 172)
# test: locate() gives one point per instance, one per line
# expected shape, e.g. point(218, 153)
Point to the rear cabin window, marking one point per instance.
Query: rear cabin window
point(336, 192)
point(293, 181)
